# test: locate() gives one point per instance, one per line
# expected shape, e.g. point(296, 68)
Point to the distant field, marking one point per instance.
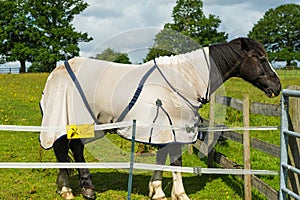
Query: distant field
point(20, 95)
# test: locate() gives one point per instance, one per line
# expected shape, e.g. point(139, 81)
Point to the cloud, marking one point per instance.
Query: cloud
point(252, 4)
point(129, 25)
point(237, 19)
point(132, 24)
point(101, 11)
point(134, 42)
point(134, 21)
point(239, 16)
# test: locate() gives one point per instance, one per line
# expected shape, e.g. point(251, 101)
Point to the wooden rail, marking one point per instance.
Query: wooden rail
point(255, 107)
point(260, 145)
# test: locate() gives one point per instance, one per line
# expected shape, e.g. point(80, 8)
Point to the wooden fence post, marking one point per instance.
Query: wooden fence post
point(294, 143)
point(246, 142)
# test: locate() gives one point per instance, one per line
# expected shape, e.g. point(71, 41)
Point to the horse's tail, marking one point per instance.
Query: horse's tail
point(42, 104)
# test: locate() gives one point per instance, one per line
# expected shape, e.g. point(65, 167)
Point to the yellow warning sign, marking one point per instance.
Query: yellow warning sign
point(80, 131)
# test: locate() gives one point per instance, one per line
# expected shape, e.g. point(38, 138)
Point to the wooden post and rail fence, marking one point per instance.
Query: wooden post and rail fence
point(247, 108)
point(294, 143)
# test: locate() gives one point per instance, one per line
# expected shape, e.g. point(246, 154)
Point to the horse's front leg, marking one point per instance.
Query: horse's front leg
point(178, 192)
point(61, 149)
point(155, 184)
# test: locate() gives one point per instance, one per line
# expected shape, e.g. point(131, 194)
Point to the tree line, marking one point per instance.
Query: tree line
point(41, 32)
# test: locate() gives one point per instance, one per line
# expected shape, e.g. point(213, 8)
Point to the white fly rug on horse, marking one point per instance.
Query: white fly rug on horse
point(166, 92)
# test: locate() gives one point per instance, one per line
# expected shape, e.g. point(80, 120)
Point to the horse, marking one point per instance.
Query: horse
point(167, 91)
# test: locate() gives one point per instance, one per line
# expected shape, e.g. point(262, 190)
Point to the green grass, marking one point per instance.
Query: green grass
point(20, 95)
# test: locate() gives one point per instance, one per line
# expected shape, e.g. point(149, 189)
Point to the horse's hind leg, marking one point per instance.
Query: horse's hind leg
point(85, 177)
point(178, 192)
point(155, 184)
point(61, 149)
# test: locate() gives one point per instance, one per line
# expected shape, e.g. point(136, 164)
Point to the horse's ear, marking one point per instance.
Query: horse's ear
point(245, 44)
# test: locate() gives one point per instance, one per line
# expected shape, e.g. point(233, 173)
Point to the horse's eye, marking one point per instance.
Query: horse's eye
point(262, 59)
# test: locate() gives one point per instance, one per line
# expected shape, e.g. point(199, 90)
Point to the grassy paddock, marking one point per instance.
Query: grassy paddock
point(20, 95)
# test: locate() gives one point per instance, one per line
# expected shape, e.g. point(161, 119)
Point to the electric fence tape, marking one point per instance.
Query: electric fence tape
point(18, 128)
point(141, 166)
point(125, 165)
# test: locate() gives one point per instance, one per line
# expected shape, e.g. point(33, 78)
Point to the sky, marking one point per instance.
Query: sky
point(129, 26)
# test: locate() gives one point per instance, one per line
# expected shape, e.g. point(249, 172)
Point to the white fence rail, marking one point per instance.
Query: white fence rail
point(131, 165)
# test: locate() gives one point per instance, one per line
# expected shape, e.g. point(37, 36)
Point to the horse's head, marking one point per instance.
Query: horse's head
point(255, 68)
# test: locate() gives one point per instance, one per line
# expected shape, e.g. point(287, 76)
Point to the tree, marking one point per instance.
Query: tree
point(58, 35)
point(279, 31)
point(39, 31)
point(190, 20)
point(190, 30)
point(169, 42)
point(111, 55)
point(18, 35)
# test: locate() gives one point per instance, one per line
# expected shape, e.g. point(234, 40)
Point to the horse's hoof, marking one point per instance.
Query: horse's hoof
point(160, 198)
point(155, 191)
point(66, 193)
point(88, 193)
point(181, 196)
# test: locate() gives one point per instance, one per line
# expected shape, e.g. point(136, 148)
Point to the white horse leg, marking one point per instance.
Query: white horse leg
point(155, 190)
point(66, 193)
point(178, 192)
point(63, 187)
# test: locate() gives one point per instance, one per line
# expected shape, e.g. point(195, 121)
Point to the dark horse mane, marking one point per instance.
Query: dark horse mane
point(224, 56)
point(234, 50)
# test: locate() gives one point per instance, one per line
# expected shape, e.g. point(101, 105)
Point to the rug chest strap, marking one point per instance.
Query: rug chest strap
point(81, 92)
